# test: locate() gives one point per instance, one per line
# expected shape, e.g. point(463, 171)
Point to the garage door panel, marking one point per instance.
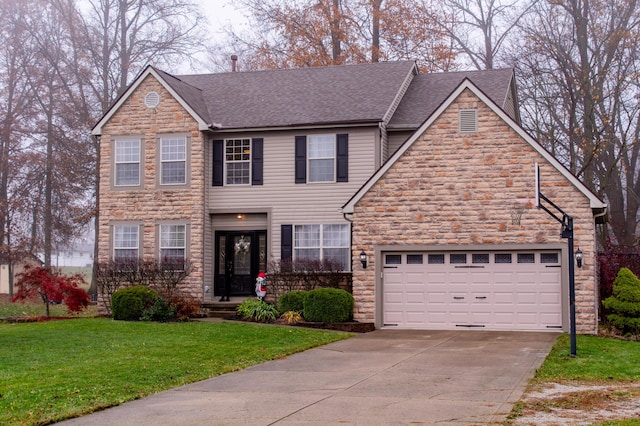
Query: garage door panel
point(552, 299)
point(495, 295)
point(503, 298)
point(504, 318)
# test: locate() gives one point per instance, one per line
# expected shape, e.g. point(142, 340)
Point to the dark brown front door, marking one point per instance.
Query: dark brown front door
point(240, 256)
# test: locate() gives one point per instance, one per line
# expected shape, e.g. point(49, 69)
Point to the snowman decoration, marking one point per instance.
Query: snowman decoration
point(261, 286)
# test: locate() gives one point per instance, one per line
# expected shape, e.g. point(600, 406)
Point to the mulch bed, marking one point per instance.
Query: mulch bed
point(351, 327)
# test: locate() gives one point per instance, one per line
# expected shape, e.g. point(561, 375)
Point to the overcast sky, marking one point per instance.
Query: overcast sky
point(220, 12)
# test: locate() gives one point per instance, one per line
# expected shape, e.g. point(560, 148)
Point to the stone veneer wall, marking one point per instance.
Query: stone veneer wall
point(153, 204)
point(453, 189)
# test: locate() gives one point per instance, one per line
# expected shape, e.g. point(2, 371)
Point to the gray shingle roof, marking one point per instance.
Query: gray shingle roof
point(305, 96)
point(428, 91)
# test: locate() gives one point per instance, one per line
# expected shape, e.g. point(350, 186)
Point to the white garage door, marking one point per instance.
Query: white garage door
point(489, 290)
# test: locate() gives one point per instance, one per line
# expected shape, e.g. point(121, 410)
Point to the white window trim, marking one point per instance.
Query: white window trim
point(115, 246)
point(227, 162)
point(184, 160)
point(140, 161)
point(334, 158)
point(321, 247)
point(162, 247)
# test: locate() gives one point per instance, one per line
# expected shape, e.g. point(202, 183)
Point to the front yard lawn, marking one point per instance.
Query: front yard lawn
point(54, 370)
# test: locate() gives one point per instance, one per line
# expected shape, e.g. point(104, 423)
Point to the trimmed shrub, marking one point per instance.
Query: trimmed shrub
point(292, 301)
point(129, 303)
point(328, 305)
point(624, 305)
point(160, 311)
point(257, 310)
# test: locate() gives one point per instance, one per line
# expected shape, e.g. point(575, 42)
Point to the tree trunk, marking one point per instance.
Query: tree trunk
point(336, 36)
point(376, 5)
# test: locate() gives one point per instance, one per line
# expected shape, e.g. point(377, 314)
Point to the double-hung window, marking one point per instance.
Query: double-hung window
point(323, 243)
point(126, 242)
point(173, 244)
point(238, 161)
point(127, 162)
point(321, 158)
point(173, 161)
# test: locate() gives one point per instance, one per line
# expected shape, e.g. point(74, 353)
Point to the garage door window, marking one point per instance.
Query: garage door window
point(503, 258)
point(393, 259)
point(436, 259)
point(526, 258)
point(414, 259)
point(458, 258)
point(549, 258)
point(480, 258)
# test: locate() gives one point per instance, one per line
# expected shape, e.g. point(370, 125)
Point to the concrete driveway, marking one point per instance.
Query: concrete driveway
point(383, 377)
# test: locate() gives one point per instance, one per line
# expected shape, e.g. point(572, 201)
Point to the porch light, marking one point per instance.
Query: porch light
point(363, 259)
point(579, 257)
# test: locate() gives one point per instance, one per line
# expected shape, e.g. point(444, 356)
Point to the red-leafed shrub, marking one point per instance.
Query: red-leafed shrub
point(52, 287)
point(611, 260)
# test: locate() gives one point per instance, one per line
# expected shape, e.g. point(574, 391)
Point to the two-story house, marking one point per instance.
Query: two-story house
point(235, 170)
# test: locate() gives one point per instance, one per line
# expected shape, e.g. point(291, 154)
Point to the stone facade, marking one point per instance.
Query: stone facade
point(153, 204)
point(453, 189)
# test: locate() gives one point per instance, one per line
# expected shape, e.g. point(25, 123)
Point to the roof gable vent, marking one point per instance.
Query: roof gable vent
point(151, 99)
point(468, 121)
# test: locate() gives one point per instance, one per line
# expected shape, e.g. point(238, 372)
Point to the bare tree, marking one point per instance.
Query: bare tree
point(61, 67)
point(480, 28)
point(580, 64)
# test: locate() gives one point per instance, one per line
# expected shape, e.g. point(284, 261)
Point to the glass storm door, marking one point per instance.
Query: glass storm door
point(240, 257)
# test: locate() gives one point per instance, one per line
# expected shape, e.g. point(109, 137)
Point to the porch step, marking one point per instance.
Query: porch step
point(220, 309)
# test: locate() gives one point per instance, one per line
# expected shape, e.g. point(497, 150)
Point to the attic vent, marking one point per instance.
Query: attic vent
point(468, 121)
point(151, 100)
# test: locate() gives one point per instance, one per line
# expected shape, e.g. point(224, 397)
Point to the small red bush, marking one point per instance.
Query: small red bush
point(52, 287)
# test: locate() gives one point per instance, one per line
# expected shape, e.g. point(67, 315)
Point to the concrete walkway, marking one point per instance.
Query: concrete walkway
point(383, 377)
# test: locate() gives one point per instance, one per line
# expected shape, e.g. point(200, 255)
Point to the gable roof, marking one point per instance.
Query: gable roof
point(196, 109)
point(344, 94)
point(594, 201)
point(303, 96)
point(428, 91)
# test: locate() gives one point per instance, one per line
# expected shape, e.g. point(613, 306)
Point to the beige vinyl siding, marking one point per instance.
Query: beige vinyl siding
point(396, 139)
point(384, 144)
point(288, 202)
point(509, 105)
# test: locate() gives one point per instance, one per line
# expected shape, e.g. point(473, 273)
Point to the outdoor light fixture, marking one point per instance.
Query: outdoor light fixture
point(579, 257)
point(363, 259)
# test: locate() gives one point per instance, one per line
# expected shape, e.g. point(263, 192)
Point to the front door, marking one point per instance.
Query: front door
point(240, 256)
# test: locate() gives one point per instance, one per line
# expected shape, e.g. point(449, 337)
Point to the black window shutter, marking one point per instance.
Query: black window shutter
point(286, 244)
point(218, 163)
point(257, 145)
point(342, 158)
point(301, 159)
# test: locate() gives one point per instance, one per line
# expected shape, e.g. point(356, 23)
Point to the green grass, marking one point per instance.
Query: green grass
point(598, 359)
point(32, 309)
point(55, 370)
